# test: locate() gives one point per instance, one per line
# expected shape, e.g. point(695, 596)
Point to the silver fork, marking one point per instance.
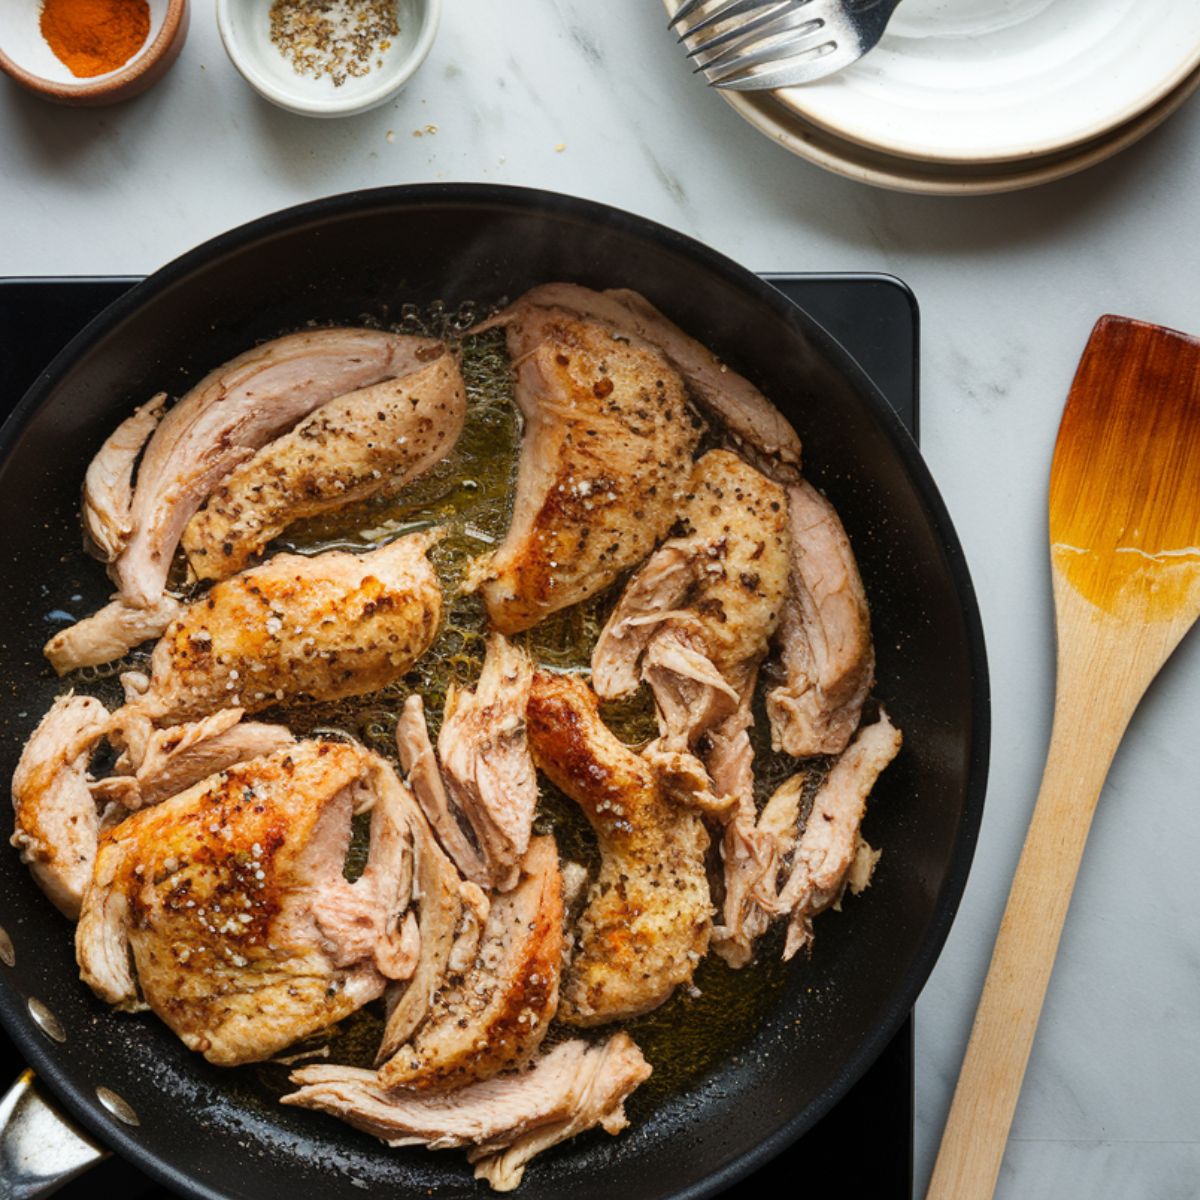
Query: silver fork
point(754, 45)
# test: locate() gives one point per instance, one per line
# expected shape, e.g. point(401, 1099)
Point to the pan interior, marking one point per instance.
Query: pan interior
point(363, 259)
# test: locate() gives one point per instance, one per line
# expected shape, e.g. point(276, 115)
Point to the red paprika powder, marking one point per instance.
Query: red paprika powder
point(93, 37)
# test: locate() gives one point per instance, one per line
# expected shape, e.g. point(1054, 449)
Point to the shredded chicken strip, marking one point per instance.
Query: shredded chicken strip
point(486, 764)
point(830, 843)
point(56, 820)
point(109, 633)
point(505, 1120)
point(108, 484)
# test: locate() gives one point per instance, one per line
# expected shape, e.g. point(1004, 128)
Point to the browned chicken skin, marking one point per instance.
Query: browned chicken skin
point(506, 1120)
point(230, 901)
point(492, 1016)
point(333, 625)
point(606, 453)
point(647, 917)
point(366, 443)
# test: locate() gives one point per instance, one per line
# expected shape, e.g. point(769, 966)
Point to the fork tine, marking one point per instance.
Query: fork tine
point(684, 11)
point(777, 36)
point(791, 72)
point(731, 9)
point(778, 48)
point(733, 64)
point(751, 31)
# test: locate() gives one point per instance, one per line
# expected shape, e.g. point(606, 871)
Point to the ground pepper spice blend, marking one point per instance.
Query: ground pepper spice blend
point(93, 37)
point(334, 38)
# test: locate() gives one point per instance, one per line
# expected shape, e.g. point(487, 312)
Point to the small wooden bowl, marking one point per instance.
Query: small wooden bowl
point(26, 58)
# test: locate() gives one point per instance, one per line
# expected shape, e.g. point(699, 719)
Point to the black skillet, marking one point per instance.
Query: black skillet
point(208, 1133)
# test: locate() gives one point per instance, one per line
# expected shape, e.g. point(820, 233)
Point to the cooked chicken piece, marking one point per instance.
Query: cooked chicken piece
point(108, 634)
point(493, 1017)
point(55, 816)
point(329, 626)
point(173, 759)
point(486, 764)
point(830, 846)
point(506, 1120)
point(366, 443)
point(648, 914)
point(754, 849)
point(451, 913)
point(229, 415)
point(425, 779)
point(825, 635)
point(108, 485)
point(607, 449)
point(755, 423)
point(229, 903)
point(699, 615)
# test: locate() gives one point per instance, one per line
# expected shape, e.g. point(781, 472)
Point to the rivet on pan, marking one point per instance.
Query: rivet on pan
point(46, 1021)
point(8, 956)
point(118, 1106)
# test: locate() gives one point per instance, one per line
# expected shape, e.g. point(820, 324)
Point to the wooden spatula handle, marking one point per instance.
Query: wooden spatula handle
point(1091, 714)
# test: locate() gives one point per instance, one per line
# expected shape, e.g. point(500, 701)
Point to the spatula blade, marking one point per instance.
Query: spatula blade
point(1125, 482)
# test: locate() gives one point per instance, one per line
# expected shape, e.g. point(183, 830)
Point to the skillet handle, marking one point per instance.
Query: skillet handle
point(40, 1149)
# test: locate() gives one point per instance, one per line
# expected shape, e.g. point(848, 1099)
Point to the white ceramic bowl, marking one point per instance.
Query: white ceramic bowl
point(246, 31)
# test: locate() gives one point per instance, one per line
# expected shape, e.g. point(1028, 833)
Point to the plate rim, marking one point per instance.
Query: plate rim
point(816, 145)
point(789, 98)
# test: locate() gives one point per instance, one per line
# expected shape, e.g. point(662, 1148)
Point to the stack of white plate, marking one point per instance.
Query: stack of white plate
point(972, 96)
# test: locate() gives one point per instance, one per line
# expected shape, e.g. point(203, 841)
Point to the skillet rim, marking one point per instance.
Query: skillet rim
point(13, 1014)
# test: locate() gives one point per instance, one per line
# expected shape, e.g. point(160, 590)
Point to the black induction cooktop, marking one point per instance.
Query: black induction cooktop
point(863, 1148)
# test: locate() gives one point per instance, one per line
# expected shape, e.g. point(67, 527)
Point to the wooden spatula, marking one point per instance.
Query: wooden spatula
point(1125, 554)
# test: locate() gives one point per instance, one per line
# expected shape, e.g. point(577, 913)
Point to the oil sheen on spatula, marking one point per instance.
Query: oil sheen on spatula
point(1125, 485)
point(1125, 553)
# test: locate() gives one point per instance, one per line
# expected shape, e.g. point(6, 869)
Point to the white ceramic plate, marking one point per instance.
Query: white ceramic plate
point(860, 163)
point(979, 81)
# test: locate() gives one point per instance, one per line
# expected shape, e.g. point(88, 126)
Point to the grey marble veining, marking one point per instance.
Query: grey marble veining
point(594, 99)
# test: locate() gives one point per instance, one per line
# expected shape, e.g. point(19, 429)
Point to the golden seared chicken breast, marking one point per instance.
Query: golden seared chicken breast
point(370, 442)
point(225, 909)
point(606, 454)
point(754, 424)
point(332, 625)
point(647, 916)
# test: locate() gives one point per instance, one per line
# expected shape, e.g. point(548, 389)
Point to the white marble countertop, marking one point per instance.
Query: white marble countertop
point(564, 94)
